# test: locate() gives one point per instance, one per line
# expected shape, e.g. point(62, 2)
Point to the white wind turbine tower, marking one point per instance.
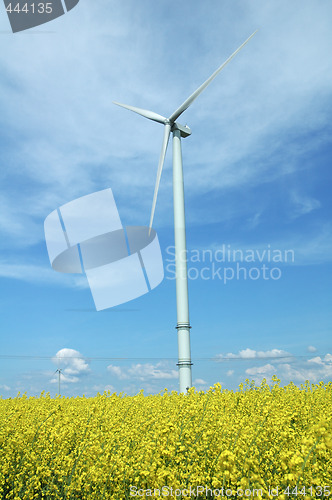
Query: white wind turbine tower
point(178, 131)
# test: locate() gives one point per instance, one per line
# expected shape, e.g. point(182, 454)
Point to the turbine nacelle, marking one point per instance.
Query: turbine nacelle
point(151, 115)
point(184, 129)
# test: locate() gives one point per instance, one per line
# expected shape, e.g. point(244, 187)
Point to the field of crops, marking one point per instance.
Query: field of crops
point(210, 444)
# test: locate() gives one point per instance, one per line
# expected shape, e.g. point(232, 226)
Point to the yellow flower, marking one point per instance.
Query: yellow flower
point(94, 448)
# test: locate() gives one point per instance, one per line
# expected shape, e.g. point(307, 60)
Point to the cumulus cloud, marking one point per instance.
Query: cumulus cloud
point(199, 381)
point(143, 372)
point(118, 372)
point(315, 369)
point(311, 348)
point(72, 365)
point(318, 369)
point(317, 360)
point(261, 370)
point(102, 388)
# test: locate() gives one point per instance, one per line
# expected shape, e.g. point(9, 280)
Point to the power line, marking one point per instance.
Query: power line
point(210, 358)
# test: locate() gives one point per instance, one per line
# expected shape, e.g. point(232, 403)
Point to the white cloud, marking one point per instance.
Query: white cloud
point(303, 204)
point(294, 250)
point(118, 372)
point(4, 387)
point(104, 388)
point(253, 354)
point(286, 365)
point(71, 139)
point(254, 220)
point(311, 348)
point(109, 387)
point(199, 381)
point(326, 362)
point(316, 360)
point(64, 378)
point(261, 370)
point(143, 372)
point(39, 274)
point(72, 365)
point(230, 373)
point(314, 370)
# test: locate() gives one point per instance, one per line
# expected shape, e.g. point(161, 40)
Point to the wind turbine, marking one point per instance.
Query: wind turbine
point(178, 131)
point(59, 371)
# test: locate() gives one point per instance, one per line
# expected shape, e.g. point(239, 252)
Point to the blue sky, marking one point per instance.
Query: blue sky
point(257, 172)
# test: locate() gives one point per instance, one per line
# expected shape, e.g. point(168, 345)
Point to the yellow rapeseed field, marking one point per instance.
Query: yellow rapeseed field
point(258, 442)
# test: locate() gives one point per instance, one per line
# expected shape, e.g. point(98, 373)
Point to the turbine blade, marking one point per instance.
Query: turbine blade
point(200, 89)
point(167, 132)
point(144, 112)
